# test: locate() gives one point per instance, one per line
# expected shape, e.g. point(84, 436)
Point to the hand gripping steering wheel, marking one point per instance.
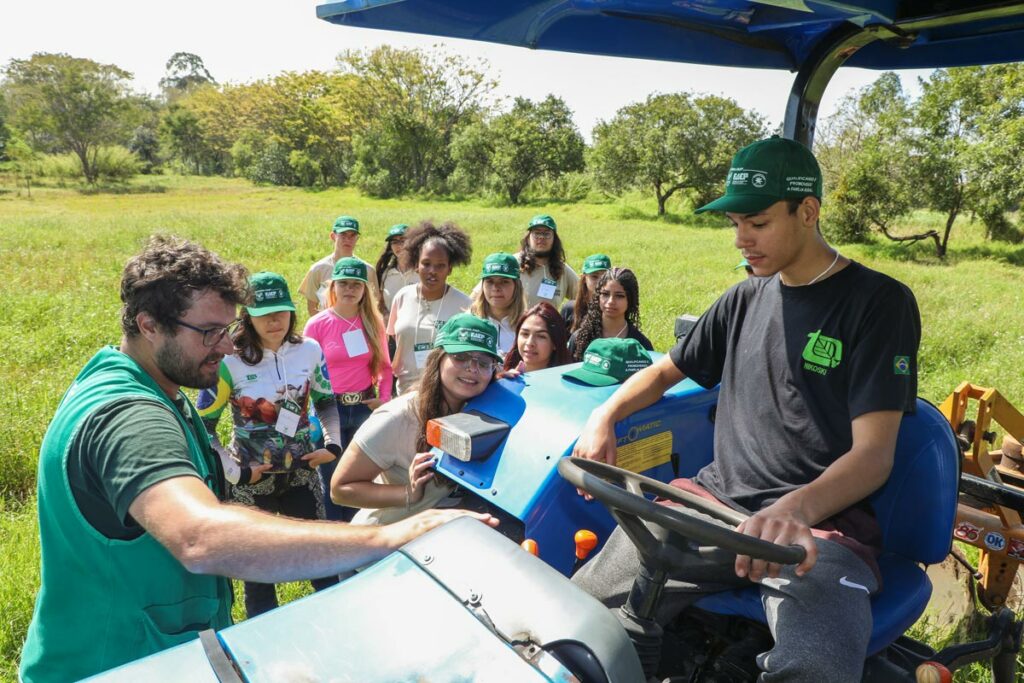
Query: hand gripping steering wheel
point(662, 533)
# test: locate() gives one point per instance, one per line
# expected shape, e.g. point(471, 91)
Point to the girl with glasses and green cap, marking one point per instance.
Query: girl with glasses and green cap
point(418, 311)
point(387, 469)
point(351, 334)
point(270, 382)
point(500, 297)
point(594, 266)
point(545, 274)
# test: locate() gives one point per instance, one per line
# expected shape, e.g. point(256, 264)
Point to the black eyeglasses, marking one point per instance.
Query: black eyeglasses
point(212, 335)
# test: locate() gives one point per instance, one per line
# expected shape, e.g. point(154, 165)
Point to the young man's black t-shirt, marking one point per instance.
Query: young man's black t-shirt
point(796, 365)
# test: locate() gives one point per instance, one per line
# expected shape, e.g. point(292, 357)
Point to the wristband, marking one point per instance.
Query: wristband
point(334, 449)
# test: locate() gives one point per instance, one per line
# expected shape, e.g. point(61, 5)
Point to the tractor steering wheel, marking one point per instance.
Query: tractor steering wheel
point(662, 532)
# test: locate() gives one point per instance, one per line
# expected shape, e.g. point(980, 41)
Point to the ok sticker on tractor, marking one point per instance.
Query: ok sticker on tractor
point(643, 454)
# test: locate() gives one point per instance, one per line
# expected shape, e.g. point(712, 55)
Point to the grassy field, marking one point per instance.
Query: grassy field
point(61, 253)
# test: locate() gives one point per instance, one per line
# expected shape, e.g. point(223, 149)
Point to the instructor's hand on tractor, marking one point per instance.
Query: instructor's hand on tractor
point(781, 523)
point(398, 534)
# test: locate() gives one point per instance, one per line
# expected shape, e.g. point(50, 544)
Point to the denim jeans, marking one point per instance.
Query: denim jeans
point(352, 417)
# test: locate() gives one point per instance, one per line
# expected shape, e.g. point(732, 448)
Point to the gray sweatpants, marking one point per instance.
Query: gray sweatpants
point(821, 622)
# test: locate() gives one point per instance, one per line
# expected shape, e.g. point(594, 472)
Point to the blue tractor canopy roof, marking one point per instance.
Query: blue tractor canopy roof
point(769, 34)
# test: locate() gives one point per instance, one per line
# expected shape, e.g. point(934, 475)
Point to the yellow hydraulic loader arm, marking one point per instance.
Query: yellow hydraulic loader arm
point(996, 530)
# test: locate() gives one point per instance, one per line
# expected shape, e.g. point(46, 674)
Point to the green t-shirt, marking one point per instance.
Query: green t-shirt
point(120, 450)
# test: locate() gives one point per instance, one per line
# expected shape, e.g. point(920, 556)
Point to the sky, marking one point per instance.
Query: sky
point(242, 42)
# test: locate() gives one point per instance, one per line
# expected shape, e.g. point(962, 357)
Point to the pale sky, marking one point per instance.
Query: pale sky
point(245, 41)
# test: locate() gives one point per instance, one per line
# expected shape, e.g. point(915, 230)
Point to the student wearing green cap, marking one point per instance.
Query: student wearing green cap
point(594, 266)
point(614, 311)
point(387, 469)
point(269, 383)
point(351, 334)
point(545, 274)
point(816, 359)
point(314, 286)
point(499, 297)
point(419, 310)
point(390, 276)
point(136, 539)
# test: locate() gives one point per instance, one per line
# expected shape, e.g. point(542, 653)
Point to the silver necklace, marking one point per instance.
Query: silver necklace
point(825, 272)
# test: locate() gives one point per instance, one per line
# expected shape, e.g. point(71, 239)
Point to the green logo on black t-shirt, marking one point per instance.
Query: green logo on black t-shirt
point(901, 365)
point(822, 353)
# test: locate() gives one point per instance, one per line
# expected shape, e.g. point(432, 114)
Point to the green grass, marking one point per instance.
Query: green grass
point(63, 250)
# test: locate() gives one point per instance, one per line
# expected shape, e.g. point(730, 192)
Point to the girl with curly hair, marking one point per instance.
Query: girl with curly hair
point(419, 310)
point(614, 312)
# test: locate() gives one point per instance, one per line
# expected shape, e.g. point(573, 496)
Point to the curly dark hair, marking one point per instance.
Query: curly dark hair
point(453, 238)
point(247, 340)
point(163, 278)
point(528, 257)
point(591, 326)
point(556, 330)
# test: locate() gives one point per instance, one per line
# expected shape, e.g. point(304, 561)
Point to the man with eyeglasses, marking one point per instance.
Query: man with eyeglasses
point(136, 541)
point(545, 274)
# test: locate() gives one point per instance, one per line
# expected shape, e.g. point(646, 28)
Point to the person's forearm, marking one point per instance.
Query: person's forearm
point(367, 494)
point(330, 421)
point(850, 479)
point(251, 545)
point(639, 391)
point(312, 307)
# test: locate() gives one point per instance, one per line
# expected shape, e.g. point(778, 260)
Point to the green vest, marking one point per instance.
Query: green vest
point(105, 602)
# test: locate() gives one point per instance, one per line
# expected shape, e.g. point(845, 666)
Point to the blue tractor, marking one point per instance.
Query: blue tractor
point(465, 602)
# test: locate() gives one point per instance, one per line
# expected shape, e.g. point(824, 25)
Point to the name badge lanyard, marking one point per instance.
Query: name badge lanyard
point(547, 287)
point(353, 338)
point(290, 413)
point(421, 354)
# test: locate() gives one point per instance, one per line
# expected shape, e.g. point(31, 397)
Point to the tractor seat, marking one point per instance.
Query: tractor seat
point(916, 510)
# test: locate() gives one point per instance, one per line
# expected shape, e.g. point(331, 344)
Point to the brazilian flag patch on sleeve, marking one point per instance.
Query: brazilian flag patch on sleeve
point(901, 365)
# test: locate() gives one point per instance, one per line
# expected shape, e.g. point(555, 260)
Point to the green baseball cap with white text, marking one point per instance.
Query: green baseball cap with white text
point(346, 224)
point(766, 172)
point(542, 221)
point(349, 268)
point(501, 264)
point(269, 294)
point(466, 332)
point(596, 263)
point(396, 231)
point(610, 360)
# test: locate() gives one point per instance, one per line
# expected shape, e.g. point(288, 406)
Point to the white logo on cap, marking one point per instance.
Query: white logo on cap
point(758, 180)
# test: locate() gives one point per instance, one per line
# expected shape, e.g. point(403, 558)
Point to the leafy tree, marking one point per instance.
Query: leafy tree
point(670, 143)
point(412, 102)
point(969, 128)
point(184, 72)
point(530, 142)
point(62, 103)
point(866, 153)
point(5, 132)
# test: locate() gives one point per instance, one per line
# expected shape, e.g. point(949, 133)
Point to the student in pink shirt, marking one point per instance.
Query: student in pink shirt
point(351, 333)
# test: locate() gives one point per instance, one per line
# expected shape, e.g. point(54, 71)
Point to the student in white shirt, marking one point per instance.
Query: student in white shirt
point(419, 310)
point(500, 298)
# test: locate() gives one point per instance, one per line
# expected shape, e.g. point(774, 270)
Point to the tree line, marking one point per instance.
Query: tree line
point(393, 122)
point(389, 121)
